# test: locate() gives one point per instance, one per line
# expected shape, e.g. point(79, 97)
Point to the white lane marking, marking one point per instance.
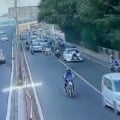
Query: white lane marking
point(80, 77)
point(21, 87)
point(10, 93)
point(96, 61)
point(34, 90)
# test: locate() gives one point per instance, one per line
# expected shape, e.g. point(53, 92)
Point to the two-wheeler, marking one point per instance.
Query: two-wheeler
point(57, 54)
point(115, 68)
point(70, 89)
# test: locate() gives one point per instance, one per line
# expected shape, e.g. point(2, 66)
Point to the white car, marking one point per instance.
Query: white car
point(111, 91)
point(72, 54)
point(4, 38)
point(2, 57)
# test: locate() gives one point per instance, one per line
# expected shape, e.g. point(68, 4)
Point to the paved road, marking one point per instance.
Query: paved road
point(86, 105)
point(5, 70)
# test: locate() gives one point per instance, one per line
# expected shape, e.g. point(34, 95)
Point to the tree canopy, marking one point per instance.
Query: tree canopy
point(96, 22)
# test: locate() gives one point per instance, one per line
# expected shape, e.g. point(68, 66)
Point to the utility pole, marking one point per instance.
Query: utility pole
point(17, 42)
point(16, 21)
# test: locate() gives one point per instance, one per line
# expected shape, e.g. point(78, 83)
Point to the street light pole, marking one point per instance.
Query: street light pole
point(17, 42)
point(16, 19)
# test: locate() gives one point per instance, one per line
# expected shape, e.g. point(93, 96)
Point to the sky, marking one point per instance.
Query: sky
point(5, 4)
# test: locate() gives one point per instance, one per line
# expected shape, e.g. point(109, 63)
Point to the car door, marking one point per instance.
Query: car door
point(108, 91)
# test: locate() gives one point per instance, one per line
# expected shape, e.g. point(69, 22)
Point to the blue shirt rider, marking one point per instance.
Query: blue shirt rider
point(68, 76)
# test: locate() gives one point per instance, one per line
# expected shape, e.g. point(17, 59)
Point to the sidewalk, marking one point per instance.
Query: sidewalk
point(94, 56)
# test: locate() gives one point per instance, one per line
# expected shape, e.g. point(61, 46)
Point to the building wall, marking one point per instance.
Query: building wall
point(27, 12)
point(23, 27)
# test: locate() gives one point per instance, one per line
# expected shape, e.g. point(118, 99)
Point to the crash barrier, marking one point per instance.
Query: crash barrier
point(28, 97)
point(108, 52)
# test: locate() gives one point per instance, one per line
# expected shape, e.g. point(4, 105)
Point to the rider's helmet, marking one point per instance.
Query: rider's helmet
point(68, 70)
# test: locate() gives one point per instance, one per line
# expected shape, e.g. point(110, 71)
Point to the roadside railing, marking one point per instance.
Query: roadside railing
point(28, 95)
point(107, 52)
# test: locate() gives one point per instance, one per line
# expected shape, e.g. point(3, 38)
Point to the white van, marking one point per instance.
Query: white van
point(111, 91)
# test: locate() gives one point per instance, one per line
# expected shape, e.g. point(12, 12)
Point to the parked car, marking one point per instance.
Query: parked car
point(72, 54)
point(111, 91)
point(4, 37)
point(2, 57)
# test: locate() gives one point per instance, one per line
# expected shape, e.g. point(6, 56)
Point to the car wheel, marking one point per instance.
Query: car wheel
point(103, 102)
point(64, 59)
point(115, 108)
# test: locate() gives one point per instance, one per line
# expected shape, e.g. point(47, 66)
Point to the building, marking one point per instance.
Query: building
point(24, 13)
point(23, 27)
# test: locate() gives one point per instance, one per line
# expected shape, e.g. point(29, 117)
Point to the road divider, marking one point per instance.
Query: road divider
point(37, 105)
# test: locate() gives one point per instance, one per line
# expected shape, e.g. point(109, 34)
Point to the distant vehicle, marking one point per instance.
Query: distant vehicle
point(111, 91)
point(47, 50)
point(1, 32)
point(72, 54)
point(2, 57)
point(4, 37)
point(35, 47)
point(57, 53)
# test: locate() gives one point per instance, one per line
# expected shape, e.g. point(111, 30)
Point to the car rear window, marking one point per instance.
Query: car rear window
point(117, 85)
point(72, 51)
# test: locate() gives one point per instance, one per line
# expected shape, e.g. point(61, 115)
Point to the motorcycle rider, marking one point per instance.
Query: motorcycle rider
point(57, 53)
point(68, 76)
point(115, 65)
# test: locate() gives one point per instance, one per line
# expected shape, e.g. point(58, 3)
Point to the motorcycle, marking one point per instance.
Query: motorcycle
point(115, 68)
point(70, 89)
point(48, 52)
point(27, 46)
point(57, 54)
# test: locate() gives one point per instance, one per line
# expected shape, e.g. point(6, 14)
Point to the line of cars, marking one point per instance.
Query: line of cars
point(37, 44)
point(39, 40)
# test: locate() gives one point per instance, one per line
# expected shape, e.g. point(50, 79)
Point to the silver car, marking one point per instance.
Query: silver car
point(35, 47)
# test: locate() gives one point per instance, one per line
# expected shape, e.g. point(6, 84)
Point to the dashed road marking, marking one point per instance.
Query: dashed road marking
point(98, 91)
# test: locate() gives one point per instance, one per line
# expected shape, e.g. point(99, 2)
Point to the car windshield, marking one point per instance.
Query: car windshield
point(117, 86)
point(44, 43)
point(35, 43)
point(72, 51)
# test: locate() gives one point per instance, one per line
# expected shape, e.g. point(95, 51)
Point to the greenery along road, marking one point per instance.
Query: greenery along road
point(95, 22)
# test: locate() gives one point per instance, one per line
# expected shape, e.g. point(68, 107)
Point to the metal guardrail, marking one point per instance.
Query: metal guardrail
point(28, 97)
point(31, 105)
point(107, 52)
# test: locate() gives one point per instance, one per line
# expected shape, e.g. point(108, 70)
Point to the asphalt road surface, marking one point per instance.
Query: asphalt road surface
point(5, 70)
point(87, 102)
